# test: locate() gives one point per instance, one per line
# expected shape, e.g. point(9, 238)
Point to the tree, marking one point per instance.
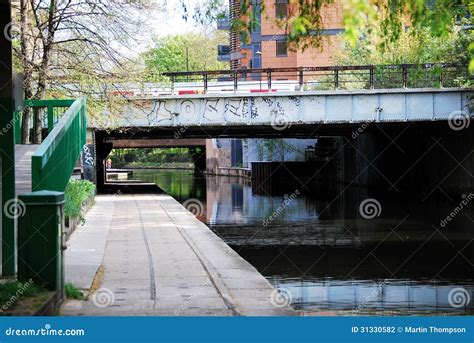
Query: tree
point(191, 52)
point(417, 48)
point(275, 149)
point(385, 19)
point(68, 42)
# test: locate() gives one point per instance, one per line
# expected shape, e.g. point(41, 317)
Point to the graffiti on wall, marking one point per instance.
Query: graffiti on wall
point(231, 109)
point(88, 152)
point(159, 112)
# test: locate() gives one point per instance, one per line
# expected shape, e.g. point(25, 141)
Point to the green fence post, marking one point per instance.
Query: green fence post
point(7, 148)
point(17, 127)
point(41, 239)
point(50, 118)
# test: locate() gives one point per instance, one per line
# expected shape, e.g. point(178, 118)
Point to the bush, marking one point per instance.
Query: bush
point(77, 192)
point(72, 292)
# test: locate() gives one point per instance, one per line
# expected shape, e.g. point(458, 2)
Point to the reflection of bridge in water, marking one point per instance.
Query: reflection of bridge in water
point(368, 295)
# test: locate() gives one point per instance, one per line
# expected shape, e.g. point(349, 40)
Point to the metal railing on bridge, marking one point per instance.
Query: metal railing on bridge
point(54, 160)
point(434, 75)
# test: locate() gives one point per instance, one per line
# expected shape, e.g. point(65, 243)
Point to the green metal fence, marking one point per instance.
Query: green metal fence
point(54, 160)
point(52, 111)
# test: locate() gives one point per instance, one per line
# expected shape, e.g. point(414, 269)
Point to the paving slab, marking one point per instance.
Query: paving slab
point(159, 260)
point(86, 246)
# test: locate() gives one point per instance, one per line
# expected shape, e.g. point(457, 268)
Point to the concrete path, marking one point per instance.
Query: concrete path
point(160, 260)
point(86, 246)
point(23, 155)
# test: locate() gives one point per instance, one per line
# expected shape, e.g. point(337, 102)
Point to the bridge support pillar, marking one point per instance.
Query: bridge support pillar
point(199, 159)
point(102, 150)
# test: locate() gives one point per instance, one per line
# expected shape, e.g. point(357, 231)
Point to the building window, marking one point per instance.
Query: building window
point(281, 48)
point(281, 9)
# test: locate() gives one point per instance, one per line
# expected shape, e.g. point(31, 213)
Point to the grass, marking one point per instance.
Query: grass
point(77, 192)
point(12, 291)
point(72, 292)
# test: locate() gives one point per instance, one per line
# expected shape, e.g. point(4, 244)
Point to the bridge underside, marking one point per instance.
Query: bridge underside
point(166, 136)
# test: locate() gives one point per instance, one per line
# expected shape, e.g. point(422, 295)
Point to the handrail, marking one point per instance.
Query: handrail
point(323, 77)
point(316, 68)
point(50, 105)
point(54, 160)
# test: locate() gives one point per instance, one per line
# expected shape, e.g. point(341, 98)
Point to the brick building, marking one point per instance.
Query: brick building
point(266, 46)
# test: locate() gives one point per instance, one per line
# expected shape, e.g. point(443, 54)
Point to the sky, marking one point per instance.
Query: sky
point(166, 22)
point(171, 22)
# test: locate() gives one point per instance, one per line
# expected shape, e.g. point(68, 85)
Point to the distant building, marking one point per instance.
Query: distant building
point(267, 46)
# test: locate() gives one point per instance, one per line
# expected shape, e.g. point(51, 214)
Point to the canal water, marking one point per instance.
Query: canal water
point(353, 252)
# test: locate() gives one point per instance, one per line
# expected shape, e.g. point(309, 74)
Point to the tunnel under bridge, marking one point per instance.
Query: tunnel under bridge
point(389, 138)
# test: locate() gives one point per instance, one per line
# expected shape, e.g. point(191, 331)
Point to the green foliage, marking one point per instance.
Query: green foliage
point(10, 290)
point(387, 18)
point(72, 292)
point(156, 157)
point(77, 192)
point(191, 51)
point(421, 47)
point(274, 149)
point(410, 47)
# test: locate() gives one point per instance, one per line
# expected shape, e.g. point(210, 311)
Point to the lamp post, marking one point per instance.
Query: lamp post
point(259, 53)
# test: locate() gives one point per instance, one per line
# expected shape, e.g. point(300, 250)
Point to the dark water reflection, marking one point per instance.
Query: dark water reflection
point(332, 259)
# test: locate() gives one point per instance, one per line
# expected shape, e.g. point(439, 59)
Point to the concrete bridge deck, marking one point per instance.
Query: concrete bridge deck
point(155, 258)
